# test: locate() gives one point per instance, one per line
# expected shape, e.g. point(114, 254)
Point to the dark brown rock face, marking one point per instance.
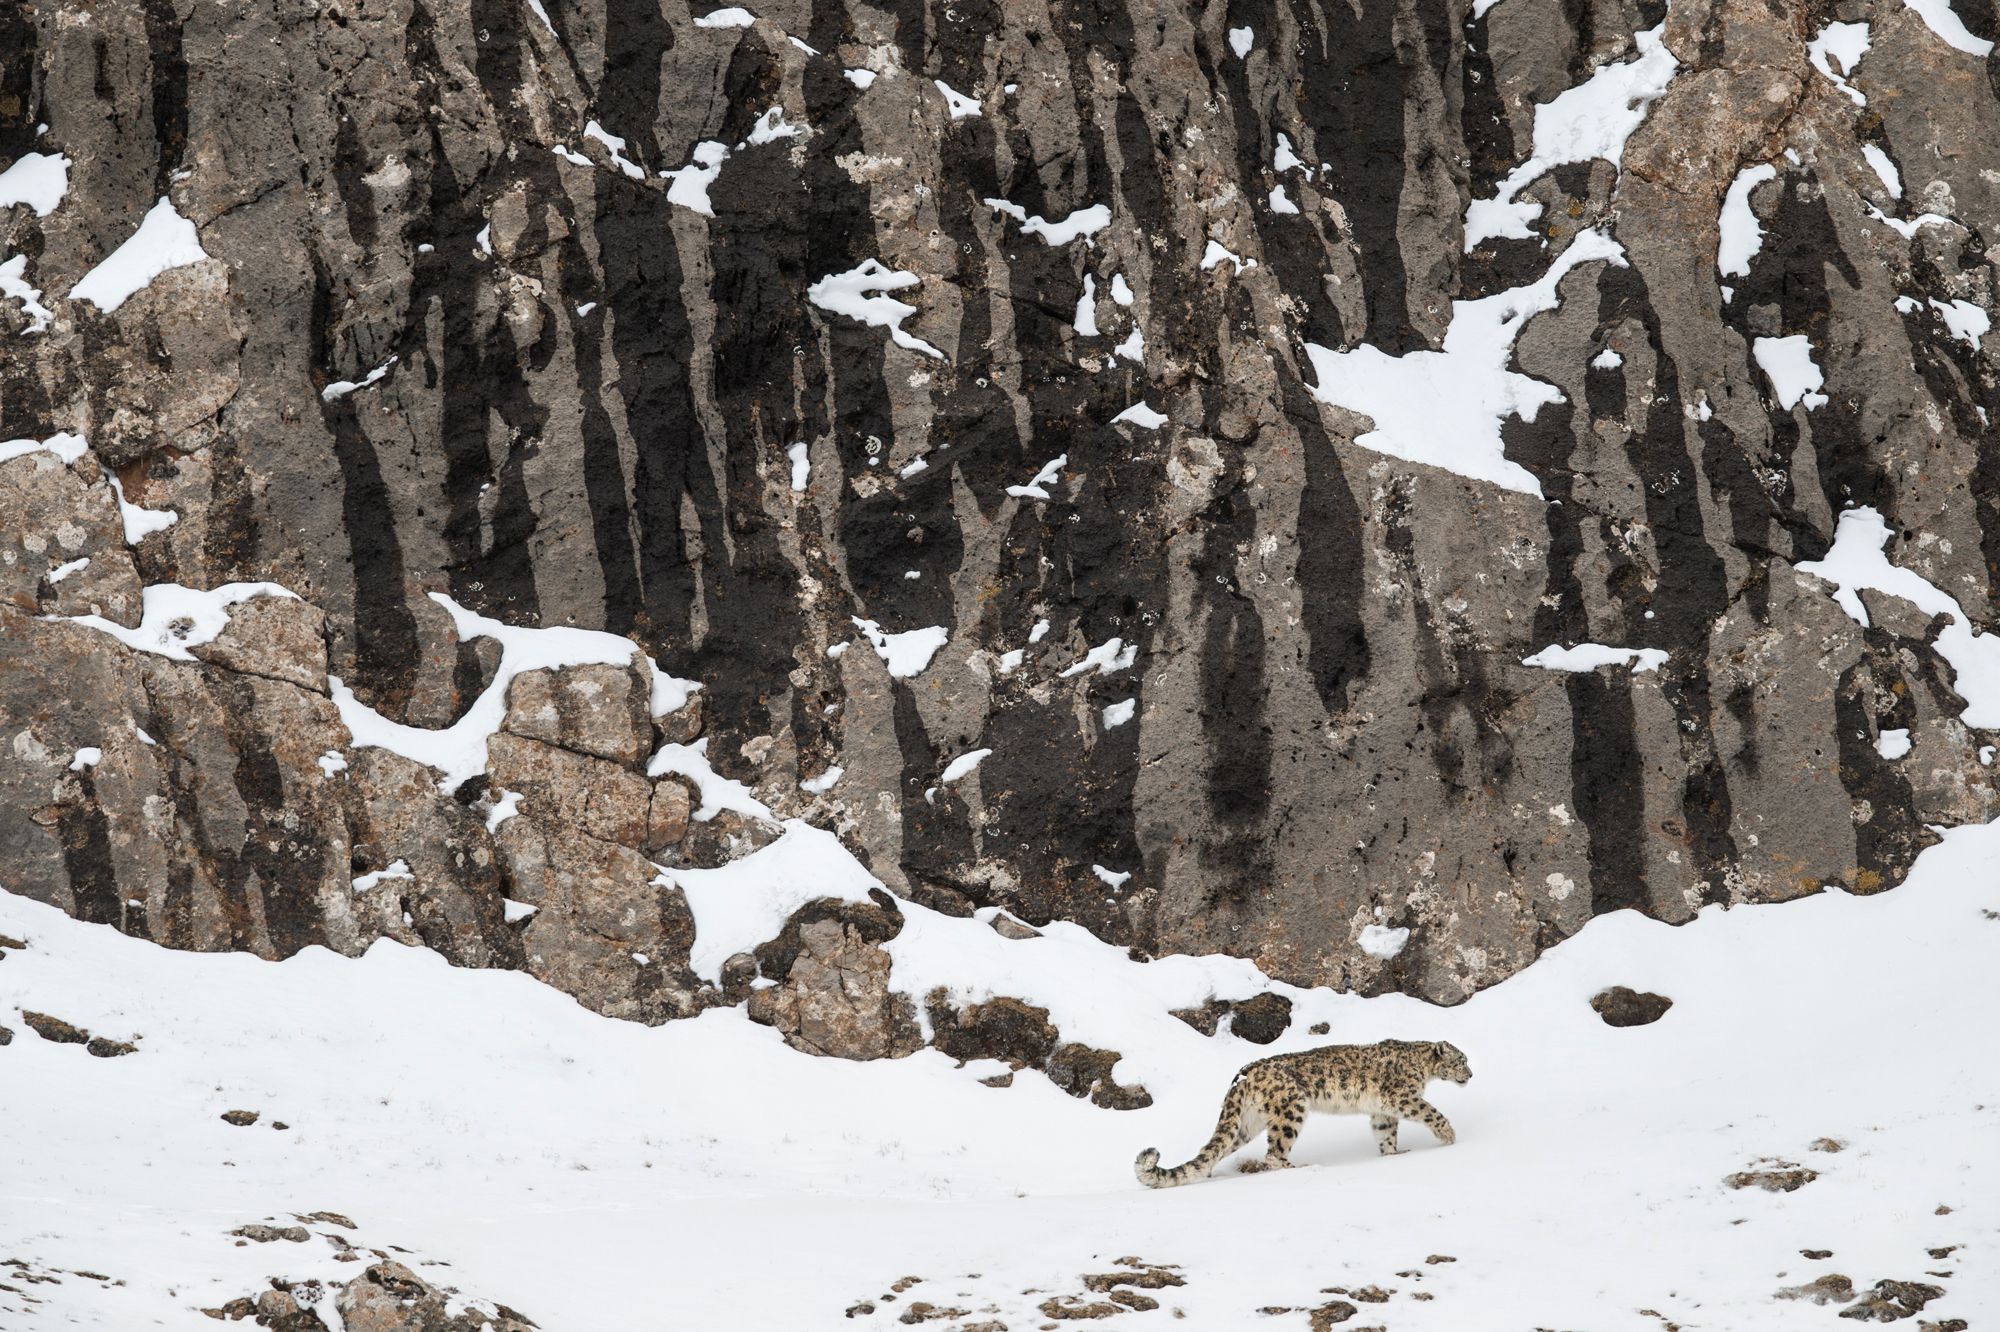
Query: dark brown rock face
point(1259, 1020)
point(1022, 1035)
point(1622, 1006)
point(446, 340)
point(55, 1029)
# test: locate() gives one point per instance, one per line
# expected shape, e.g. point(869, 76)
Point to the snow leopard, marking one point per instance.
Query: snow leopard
point(1384, 1081)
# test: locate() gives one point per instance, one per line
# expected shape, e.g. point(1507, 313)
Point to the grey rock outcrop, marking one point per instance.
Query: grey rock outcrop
point(220, 802)
point(389, 1297)
point(835, 998)
point(604, 928)
point(385, 1297)
point(59, 524)
point(600, 710)
point(591, 795)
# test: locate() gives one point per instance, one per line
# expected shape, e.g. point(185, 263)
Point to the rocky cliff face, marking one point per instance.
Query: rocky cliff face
point(1207, 411)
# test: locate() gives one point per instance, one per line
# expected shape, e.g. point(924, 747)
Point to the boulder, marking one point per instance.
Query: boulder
point(1621, 1006)
point(598, 710)
point(280, 638)
point(667, 814)
point(452, 895)
point(226, 828)
point(1001, 1028)
point(593, 796)
point(1022, 1035)
point(682, 726)
point(1085, 1071)
point(51, 1028)
point(1007, 927)
point(835, 998)
point(728, 836)
point(1260, 1019)
point(389, 1297)
point(606, 928)
point(62, 518)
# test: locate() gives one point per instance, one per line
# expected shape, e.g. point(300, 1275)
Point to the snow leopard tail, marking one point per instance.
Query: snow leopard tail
point(1232, 1130)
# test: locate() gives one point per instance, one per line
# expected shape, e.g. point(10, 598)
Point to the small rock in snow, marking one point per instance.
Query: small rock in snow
point(1621, 1006)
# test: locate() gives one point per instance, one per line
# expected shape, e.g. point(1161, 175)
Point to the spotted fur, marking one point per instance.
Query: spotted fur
point(1384, 1081)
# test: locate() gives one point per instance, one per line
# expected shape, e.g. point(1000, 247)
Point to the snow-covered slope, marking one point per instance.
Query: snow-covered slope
point(597, 1174)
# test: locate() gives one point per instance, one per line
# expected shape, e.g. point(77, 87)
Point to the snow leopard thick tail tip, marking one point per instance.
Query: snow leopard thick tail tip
point(1147, 1168)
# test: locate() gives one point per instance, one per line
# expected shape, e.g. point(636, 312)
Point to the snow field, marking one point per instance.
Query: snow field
point(597, 1174)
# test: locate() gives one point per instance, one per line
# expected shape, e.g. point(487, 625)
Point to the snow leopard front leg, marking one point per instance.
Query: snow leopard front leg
point(1385, 1134)
point(1430, 1117)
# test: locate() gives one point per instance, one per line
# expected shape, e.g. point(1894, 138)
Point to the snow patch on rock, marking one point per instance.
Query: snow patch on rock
point(1586, 123)
point(1847, 43)
point(856, 294)
point(164, 240)
point(718, 793)
point(15, 286)
point(1445, 408)
point(39, 180)
point(962, 766)
point(1079, 225)
point(1589, 656)
point(176, 618)
point(1857, 560)
point(1380, 941)
point(1050, 475)
point(1788, 363)
point(1741, 234)
point(691, 182)
point(1949, 28)
point(907, 653)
